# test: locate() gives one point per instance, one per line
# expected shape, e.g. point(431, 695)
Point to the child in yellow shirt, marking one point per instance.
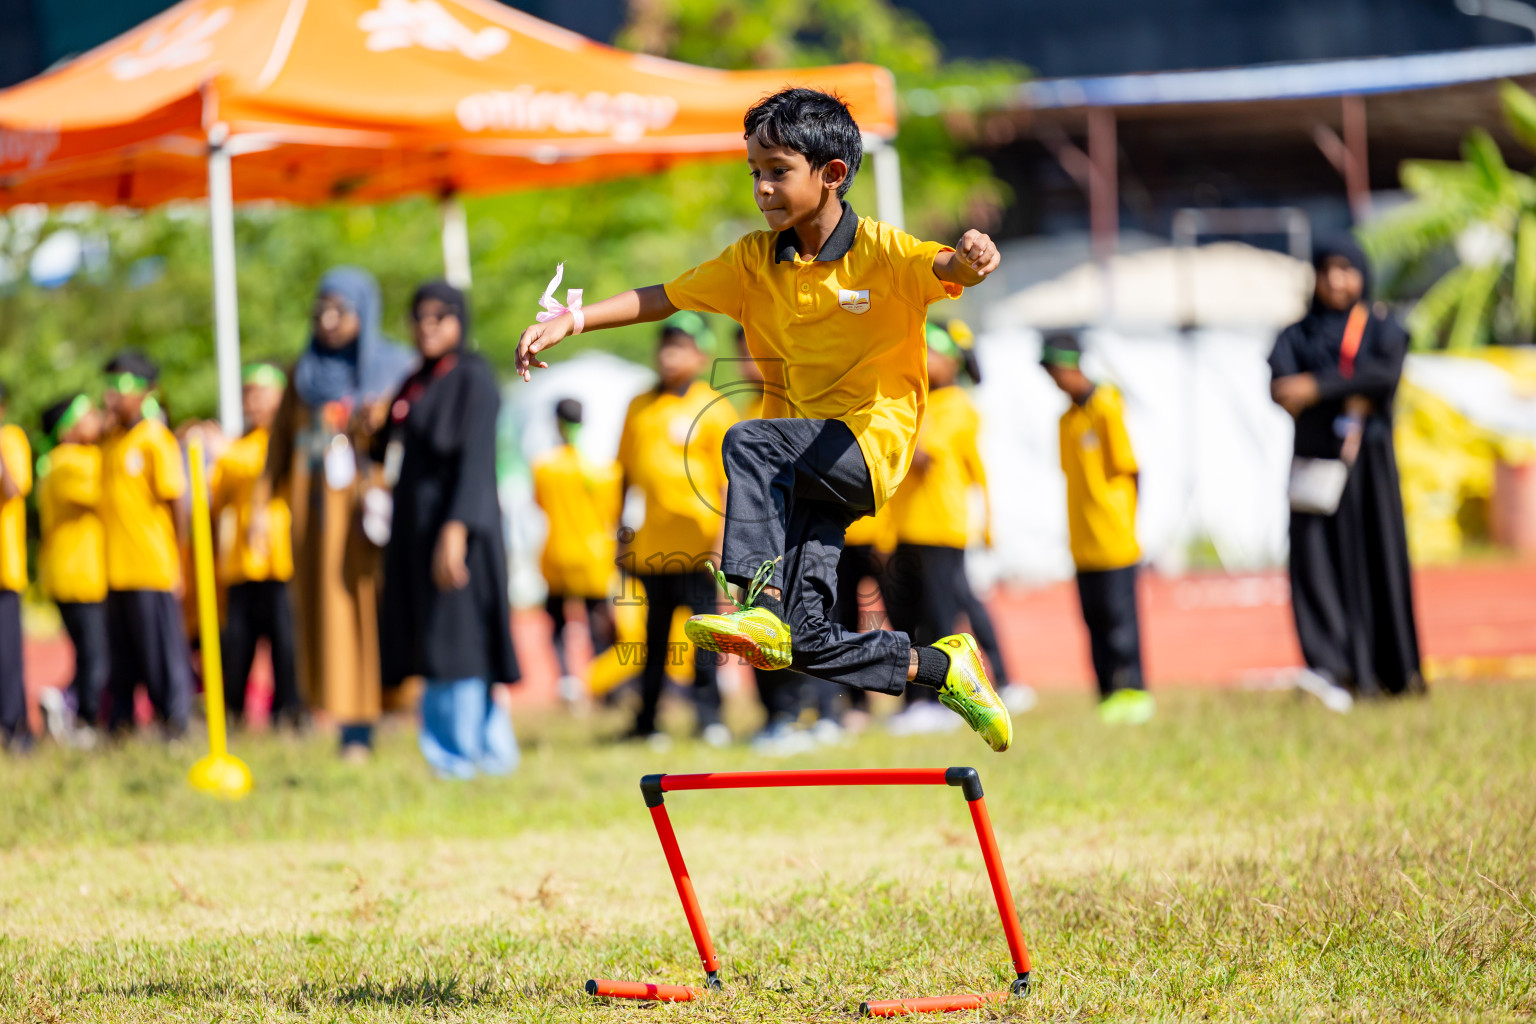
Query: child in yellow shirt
point(581, 500)
point(1102, 483)
point(833, 306)
point(142, 477)
point(256, 577)
point(670, 452)
point(72, 560)
point(15, 485)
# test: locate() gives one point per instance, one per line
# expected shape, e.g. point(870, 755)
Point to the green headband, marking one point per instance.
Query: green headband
point(128, 383)
point(693, 325)
point(1050, 356)
point(72, 415)
point(940, 341)
point(264, 374)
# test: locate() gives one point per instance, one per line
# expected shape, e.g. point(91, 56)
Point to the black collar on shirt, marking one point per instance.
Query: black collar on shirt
point(834, 248)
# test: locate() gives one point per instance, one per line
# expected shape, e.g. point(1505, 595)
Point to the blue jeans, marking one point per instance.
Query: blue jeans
point(464, 732)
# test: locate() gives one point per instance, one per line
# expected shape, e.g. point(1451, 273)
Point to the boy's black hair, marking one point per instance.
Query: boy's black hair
point(131, 360)
point(815, 124)
point(568, 410)
point(1061, 348)
point(56, 411)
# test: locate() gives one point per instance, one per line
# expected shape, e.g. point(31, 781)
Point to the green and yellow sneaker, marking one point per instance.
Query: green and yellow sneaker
point(761, 638)
point(1127, 707)
point(967, 692)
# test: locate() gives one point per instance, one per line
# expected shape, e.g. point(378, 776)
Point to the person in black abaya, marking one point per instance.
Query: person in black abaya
point(445, 613)
point(1351, 589)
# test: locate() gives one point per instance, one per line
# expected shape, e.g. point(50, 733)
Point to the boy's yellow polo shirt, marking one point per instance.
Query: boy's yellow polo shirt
point(141, 474)
point(671, 450)
point(17, 452)
point(581, 500)
point(1101, 471)
point(72, 561)
point(234, 479)
point(839, 337)
point(933, 505)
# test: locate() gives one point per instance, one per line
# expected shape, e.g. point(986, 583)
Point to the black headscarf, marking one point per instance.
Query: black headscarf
point(1345, 247)
point(450, 297)
point(370, 367)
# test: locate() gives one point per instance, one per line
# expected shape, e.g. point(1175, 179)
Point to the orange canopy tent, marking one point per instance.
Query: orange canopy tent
point(312, 101)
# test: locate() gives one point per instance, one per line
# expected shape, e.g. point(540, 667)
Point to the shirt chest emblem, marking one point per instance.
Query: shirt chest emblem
point(854, 300)
point(133, 462)
point(678, 428)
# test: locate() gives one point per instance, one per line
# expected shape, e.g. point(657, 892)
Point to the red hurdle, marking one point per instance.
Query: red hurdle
point(641, 990)
point(927, 1004)
point(653, 787)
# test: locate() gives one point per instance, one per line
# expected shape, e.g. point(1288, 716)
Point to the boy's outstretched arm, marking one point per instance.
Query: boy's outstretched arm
point(638, 306)
point(975, 257)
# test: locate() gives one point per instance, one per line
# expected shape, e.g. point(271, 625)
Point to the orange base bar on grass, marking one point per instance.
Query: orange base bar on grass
point(641, 990)
point(928, 1004)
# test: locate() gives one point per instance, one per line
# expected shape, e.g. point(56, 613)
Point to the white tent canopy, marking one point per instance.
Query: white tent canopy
point(1223, 285)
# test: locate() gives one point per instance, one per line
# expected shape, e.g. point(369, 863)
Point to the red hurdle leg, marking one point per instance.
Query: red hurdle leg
point(1005, 908)
point(685, 892)
point(641, 990)
point(928, 1004)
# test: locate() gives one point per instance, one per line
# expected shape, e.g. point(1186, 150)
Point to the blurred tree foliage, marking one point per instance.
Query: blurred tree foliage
point(1483, 213)
point(152, 287)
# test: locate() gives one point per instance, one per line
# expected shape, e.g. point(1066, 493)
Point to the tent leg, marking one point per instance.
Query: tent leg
point(455, 242)
point(226, 310)
point(1103, 183)
point(888, 204)
point(1357, 168)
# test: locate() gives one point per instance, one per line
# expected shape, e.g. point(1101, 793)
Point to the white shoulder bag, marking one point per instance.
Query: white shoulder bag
point(1317, 485)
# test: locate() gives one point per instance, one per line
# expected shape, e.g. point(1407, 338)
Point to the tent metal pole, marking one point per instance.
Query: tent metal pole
point(455, 242)
point(226, 312)
point(887, 163)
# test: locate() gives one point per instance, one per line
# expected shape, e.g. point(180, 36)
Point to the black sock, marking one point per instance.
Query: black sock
point(768, 601)
point(932, 667)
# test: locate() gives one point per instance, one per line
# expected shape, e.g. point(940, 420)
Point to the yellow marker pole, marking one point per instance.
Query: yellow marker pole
point(220, 773)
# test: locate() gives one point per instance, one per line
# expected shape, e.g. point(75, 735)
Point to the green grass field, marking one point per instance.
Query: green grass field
point(1245, 856)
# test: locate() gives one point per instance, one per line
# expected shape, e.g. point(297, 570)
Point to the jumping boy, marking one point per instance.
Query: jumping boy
point(833, 306)
point(72, 561)
point(580, 497)
point(15, 485)
point(1102, 481)
point(142, 476)
point(670, 452)
point(257, 578)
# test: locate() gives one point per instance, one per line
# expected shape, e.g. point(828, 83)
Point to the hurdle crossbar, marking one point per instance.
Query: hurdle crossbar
point(654, 788)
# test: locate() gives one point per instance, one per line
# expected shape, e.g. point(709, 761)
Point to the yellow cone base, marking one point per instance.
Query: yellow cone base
point(221, 775)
